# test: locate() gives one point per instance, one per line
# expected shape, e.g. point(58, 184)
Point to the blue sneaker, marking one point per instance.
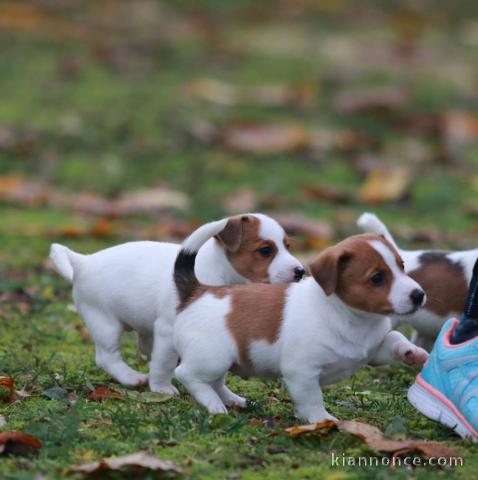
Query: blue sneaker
point(446, 390)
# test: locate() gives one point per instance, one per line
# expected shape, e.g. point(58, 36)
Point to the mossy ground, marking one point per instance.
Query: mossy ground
point(108, 113)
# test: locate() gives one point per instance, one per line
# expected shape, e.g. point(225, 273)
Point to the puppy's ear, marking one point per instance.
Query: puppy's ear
point(231, 235)
point(327, 266)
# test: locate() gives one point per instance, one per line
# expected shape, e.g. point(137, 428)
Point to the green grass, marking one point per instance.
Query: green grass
point(110, 114)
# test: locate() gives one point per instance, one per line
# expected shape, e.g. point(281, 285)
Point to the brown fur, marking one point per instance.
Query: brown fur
point(346, 268)
point(246, 260)
point(444, 283)
point(256, 314)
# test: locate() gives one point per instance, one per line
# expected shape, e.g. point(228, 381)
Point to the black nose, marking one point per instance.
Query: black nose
point(417, 297)
point(298, 273)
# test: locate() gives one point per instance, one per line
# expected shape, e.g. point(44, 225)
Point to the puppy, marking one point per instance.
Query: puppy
point(312, 333)
point(130, 287)
point(445, 277)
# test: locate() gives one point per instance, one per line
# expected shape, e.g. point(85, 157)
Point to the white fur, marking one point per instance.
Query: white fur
point(130, 286)
point(426, 323)
point(322, 340)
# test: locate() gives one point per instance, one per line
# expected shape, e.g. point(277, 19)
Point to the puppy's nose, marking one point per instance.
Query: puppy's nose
point(298, 273)
point(417, 297)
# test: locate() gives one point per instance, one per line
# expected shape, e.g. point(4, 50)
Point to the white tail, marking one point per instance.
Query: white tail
point(64, 260)
point(369, 222)
point(199, 237)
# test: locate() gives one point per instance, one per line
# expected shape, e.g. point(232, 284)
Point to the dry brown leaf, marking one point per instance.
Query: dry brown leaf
point(20, 299)
point(327, 193)
point(379, 100)
point(298, 224)
point(374, 438)
point(385, 185)
point(266, 139)
point(102, 393)
point(459, 128)
point(19, 443)
point(135, 463)
point(7, 390)
point(15, 189)
point(242, 200)
point(151, 200)
point(225, 94)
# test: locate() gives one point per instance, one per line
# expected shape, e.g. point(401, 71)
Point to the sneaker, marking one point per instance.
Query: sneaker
point(446, 390)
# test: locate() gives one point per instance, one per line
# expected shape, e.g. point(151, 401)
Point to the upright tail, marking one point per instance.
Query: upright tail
point(184, 275)
point(369, 222)
point(64, 260)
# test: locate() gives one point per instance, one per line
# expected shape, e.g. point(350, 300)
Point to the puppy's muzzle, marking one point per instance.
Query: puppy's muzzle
point(417, 296)
point(298, 273)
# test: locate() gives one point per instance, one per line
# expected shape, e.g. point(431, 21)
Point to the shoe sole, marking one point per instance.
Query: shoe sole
point(431, 403)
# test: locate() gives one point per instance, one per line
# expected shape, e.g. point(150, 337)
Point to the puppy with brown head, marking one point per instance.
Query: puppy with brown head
point(312, 333)
point(444, 276)
point(131, 287)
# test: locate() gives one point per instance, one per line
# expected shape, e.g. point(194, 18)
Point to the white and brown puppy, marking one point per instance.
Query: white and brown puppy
point(131, 287)
point(312, 333)
point(444, 275)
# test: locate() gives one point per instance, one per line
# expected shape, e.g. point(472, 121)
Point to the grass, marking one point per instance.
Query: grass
point(110, 114)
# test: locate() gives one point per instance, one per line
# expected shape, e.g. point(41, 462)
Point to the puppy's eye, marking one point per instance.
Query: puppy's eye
point(265, 251)
point(287, 245)
point(378, 279)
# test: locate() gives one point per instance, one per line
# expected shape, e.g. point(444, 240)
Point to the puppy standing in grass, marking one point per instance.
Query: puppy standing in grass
point(315, 332)
point(131, 287)
point(444, 275)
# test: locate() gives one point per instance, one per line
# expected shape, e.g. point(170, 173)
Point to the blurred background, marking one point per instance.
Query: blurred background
point(141, 119)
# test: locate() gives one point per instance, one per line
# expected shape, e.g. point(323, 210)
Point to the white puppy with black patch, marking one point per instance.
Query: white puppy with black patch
point(312, 333)
point(131, 287)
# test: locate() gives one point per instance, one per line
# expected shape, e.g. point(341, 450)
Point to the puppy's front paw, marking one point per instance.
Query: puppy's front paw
point(411, 354)
point(216, 408)
point(134, 379)
point(163, 388)
point(320, 417)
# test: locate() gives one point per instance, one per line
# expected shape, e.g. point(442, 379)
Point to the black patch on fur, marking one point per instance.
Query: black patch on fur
point(184, 275)
point(428, 258)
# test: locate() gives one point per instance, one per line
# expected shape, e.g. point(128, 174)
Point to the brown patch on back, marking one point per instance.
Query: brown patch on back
point(346, 269)
point(246, 260)
point(256, 314)
point(444, 283)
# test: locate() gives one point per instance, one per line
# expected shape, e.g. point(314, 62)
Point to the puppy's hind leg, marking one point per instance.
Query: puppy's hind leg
point(164, 359)
point(202, 391)
point(106, 333)
point(145, 344)
point(229, 398)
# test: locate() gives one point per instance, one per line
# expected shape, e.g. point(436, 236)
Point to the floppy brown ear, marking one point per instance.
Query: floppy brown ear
point(326, 268)
point(231, 235)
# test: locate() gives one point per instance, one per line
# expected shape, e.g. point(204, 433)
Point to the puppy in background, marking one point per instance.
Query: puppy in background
point(444, 275)
point(131, 287)
point(312, 333)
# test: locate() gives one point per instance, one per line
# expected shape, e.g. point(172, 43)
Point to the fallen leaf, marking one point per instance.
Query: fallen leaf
point(375, 101)
point(242, 200)
point(144, 397)
point(151, 200)
point(263, 139)
point(385, 185)
point(19, 443)
point(298, 224)
point(7, 390)
point(56, 393)
point(225, 94)
point(135, 463)
point(102, 393)
point(375, 439)
point(326, 193)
